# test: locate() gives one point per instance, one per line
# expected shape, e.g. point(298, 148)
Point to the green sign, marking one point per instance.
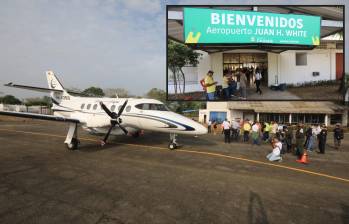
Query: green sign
point(214, 26)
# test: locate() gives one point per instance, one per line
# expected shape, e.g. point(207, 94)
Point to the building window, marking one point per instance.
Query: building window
point(218, 117)
point(278, 118)
point(95, 106)
point(308, 118)
point(301, 59)
point(336, 118)
point(88, 106)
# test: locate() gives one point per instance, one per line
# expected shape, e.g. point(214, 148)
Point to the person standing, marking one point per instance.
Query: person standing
point(209, 126)
point(266, 131)
point(288, 138)
point(225, 85)
point(214, 127)
point(235, 129)
point(246, 128)
point(300, 137)
point(243, 85)
point(258, 78)
point(226, 130)
point(309, 139)
point(273, 129)
point(322, 139)
point(338, 135)
point(255, 133)
point(210, 85)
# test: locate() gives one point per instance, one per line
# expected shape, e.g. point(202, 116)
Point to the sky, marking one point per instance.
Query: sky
point(104, 43)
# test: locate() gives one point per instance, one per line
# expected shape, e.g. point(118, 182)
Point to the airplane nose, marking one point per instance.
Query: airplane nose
point(200, 129)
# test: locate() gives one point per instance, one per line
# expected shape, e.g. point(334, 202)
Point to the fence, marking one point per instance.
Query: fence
point(23, 108)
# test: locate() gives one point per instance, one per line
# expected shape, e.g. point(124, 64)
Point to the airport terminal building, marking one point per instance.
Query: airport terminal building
point(286, 112)
point(284, 63)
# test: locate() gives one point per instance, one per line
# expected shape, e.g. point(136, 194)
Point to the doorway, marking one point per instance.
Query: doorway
point(339, 66)
point(235, 62)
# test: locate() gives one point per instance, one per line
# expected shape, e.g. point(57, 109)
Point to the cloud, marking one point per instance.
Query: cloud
point(103, 43)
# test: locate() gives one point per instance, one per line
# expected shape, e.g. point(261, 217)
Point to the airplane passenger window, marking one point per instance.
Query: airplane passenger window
point(112, 108)
point(82, 106)
point(95, 106)
point(128, 108)
point(153, 106)
point(88, 106)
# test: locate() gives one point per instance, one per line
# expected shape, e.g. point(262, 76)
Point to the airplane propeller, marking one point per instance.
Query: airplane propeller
point(115, 120)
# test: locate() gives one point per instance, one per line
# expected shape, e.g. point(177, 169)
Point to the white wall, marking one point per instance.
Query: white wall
point(318, 60)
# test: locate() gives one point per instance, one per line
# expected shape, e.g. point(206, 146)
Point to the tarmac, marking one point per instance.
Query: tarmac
point(138, 180)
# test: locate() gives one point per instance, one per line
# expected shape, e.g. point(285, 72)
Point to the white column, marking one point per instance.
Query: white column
point(290, 119)
point(257, 117)
point(326, 119)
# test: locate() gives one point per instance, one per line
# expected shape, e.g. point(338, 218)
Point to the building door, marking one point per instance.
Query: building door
point(339, 66)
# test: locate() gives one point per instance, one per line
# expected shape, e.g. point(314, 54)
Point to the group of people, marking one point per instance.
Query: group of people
point(283, 138)
point(235, 83)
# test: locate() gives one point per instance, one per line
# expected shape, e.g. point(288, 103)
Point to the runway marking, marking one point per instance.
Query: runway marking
point(196, 152)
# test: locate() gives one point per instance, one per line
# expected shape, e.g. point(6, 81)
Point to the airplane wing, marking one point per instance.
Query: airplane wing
point(38, 89)
point(39, 116)
point(43, 90)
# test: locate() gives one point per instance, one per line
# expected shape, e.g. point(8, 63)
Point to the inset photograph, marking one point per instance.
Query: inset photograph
point(265, 53)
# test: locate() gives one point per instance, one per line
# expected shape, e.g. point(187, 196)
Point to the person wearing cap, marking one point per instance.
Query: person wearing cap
point(338, 135)
point(322, 139)
point(210, 85)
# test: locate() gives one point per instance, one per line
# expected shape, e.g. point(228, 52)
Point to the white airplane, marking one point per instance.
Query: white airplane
point(107, 116)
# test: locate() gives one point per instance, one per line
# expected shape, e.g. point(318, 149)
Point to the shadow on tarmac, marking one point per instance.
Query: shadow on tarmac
point(345, 215)
point(256, 212)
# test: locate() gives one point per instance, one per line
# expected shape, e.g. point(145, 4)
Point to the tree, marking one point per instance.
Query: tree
point(180, 55)
point(39, 101)
point(158, 94)
point(120, 92)
point(94, 91)
point(9, 99)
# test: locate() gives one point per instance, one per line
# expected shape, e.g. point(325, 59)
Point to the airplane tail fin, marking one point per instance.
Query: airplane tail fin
point(53, 82)
point(55, 85)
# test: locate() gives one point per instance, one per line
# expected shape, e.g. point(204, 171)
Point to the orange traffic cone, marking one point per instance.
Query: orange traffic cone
point(303, 159)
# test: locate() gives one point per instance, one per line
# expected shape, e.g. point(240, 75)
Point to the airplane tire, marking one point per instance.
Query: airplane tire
point(172, 146)
point(73, 145)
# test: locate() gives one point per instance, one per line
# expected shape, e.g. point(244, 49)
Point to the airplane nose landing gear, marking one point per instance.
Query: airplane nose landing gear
point(173, 142)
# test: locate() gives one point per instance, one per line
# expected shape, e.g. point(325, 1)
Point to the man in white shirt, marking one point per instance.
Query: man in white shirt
point(226, 129)
point(258, 78)
point(275, 154)
point(235, 129)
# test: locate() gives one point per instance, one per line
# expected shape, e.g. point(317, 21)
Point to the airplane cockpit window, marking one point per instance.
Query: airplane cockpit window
point(152, 106)
point(112, 108)
point(95, 106)
point(128, 108)
point(88, 106)
point(82, 106)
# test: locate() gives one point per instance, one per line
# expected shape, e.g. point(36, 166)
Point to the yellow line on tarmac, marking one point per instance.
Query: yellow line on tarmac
point(196, 152)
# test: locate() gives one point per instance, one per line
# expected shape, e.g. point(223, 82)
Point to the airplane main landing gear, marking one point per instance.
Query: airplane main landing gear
point(72, 142)
point(173, 142)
